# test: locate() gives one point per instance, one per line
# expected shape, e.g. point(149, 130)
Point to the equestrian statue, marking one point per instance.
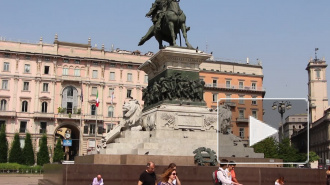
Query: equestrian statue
point(168, 19)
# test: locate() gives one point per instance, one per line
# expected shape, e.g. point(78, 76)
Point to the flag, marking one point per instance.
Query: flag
point(97, 99)
point(112, 97)
point(82, 95)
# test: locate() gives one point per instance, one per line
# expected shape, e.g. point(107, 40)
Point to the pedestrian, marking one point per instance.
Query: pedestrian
point(328, 176)
point(168, 177)
point(148, 177)
point(231, 168)
point(223, 175)
point(176, 181)
point(98, 180)
point(279, 181)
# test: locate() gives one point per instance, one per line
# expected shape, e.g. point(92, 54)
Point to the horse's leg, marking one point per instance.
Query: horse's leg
point(171, 27)
point(184, 34)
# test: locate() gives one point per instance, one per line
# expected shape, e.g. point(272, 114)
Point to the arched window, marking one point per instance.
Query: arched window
point(3, 105)
point(24, 106)
point(70, 91)
point(44, 107)
point(110, 111)
point(93, 109)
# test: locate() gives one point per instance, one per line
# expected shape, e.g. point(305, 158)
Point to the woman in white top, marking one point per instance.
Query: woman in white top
point(279, 181)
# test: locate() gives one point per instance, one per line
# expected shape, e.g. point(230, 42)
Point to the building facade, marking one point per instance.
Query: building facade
point(51, 88)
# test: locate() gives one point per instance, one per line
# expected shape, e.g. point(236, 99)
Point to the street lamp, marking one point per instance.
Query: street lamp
point(281, 106)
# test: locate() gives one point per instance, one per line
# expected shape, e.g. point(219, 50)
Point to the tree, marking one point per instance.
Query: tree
point(3, 145)
point(287, 152)
point(268, 146)
point(58, 152)
point(28, 150)
point(313, 156)
point(15, 154)
point(43, 155)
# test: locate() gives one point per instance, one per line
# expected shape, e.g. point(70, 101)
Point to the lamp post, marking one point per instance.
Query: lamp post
point(281, 107)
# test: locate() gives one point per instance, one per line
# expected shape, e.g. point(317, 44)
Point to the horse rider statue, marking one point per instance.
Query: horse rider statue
point(168, 19)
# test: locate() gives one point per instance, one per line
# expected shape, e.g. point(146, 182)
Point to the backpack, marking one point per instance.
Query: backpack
point(215, 178)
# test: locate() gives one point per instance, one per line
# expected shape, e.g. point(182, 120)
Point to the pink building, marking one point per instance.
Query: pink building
point(47, 87)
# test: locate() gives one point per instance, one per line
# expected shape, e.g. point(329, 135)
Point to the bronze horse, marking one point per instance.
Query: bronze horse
point(173, 21)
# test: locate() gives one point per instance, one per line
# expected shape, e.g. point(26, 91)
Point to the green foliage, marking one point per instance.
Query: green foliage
point(21, 168)
point(269, 147)
point(3, 145)
point(28, 150)
point(16, 154)
point(43, 155)
point(58, 152)
point(313, 156)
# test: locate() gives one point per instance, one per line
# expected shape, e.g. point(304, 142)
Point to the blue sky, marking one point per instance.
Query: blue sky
point(282, 34)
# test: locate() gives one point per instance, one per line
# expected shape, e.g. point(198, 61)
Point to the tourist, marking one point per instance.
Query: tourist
point(223, 175)
point(279, 181)
point(328, 176)
point(176, 181)
point(98, 180)
point(148, 177)
point(168, 177)
point(231, 168)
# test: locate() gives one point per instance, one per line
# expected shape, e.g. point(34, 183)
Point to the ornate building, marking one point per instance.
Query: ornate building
point(51, 88)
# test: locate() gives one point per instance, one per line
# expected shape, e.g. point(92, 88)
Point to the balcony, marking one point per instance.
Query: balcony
point(236, 87)
point(93, 117)
point(7, 113)
point(69, 116)
point(71, 78)
point(43, 115)
point(242, 120)
point(23, 114)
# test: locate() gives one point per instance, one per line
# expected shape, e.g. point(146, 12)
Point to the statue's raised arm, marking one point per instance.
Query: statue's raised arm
point(168, 19)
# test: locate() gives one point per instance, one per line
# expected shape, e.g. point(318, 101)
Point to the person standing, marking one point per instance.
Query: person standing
point(223, 175)
point(148, 177)
point(231, 168)
point(168, 177)
point(328, 176)
point(279, 181)
point(98, 180)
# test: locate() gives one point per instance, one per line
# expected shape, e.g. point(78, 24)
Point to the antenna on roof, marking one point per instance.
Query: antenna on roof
point(316, 49)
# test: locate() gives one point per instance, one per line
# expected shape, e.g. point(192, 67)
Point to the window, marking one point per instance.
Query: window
point(110, 126)
point(110, 111)
point(77, 61)
point(47, 59)
point(65, 60)
point(44, 107)
point(70, 91)
point(254, 101)
point(26, 86)
point(318, 73)
point(112, 65)
point(94, 74)
point(241, 113)
point(100, 130)
point(91, 129)
point(214, 82)
point(22, 142)
point(85, 129)
point(24, 106)
point(6, 66)
point(7, 55)
point(3, 105)
point(241, 133)
point(254, 114)
point(76, 72)
point(215, 97)
point(241, 99)
point(46, 70)
point(2, 123)
point(27, 68)
point(227, 83)
point(95, 63)
point(129, 77)
point(129, 93)
point(27, 57)
point(240, 84)
point(43, 126)
point(4, 84)
point(129, 67)
point(228, 97)
point(94, 91)
point(112, 75)
point(145, 78)
point(22, 127)
point(45, 87)
point(93, 109)
point(111, 91)
point(254, 85)
point(65, 71)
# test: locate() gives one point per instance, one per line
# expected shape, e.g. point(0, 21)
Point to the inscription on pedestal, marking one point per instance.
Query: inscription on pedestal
point(189, 121)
